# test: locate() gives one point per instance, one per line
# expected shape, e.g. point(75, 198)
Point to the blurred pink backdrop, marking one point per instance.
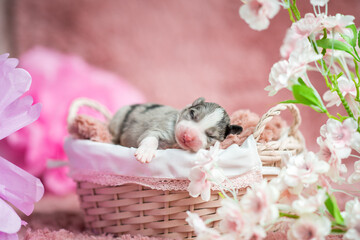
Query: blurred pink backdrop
point(172, 51)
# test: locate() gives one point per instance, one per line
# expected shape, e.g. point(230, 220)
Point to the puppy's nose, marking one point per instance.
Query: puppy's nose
point(188, 137)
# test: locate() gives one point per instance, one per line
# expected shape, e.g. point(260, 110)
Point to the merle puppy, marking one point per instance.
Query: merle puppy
point(148, 127)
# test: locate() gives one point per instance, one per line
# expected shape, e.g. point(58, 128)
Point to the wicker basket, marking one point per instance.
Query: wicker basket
point(135, 209)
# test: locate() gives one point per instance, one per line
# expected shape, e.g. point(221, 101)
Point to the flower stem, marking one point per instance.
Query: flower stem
point(295, 10)
point(291, 15)
point(343, 101)
point(358, 57)
point(357, 84)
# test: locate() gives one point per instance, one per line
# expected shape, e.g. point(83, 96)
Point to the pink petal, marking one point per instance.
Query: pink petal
point(5, 236)
point(10, 222)
point(17, 115)
point(194, 189)
point(196, 174)
point(13, 84)
point(3, 57)
point(206, 191)
point(19, 187)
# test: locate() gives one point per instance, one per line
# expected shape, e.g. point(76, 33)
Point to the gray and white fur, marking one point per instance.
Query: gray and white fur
point(149, 127)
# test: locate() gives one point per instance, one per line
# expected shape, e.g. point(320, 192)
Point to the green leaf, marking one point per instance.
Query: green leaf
point(307, 96)
point(359, 39)
point(336, 230)
point(336, 44)
point(333, 209)
point(301, 81)
point(351, 41)
point(291, 101)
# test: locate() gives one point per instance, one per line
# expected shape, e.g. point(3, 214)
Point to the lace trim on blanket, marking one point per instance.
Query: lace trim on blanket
point(111, 179)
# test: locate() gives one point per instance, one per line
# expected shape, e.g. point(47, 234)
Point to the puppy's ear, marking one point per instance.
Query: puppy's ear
point(233, 129)
point(198, 101)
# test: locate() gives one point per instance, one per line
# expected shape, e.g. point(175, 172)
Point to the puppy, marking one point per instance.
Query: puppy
point(148, 127)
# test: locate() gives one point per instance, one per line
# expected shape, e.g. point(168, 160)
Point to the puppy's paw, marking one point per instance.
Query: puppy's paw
point(145, 155)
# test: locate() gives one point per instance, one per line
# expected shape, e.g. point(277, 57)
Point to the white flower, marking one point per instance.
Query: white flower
point(260, 200)
point(303, 54)
point(200, 228)
point(205, 172)
point(308, 25)
point(232, 216)
point(352, 234)
point(285, 73)
point(311, 204)
point(333, 157)
point(258, 12)
point(303, 169)
point(199, 184)
point(237, 222)
point(309, 227)
point(355, 176)
point(279, 77)
point(352, 219)
point(341, 134)
point(320, 3)
point(338, 23)
point(289, 43)
point(355, 142)
point(347, 88)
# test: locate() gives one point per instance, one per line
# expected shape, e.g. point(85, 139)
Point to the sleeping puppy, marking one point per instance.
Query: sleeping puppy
point(148, 127)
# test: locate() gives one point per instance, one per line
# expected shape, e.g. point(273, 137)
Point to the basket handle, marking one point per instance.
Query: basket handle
point(274, 111)
point(80, 102)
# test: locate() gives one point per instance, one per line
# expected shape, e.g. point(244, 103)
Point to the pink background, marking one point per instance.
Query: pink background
point(173, 51)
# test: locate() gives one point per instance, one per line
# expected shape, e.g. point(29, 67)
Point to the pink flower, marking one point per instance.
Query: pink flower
point(320, 3)
point(341, 134)
point(232, 216)
point(355, 176)
point(260, 200)
point(199, 184)
point(200, 228)
point(303, 169)
point(280, 77)
point(56, 84)
point(347, 88)
point(310, 227)
point(238, 223)
point(303, 54)
point(207, 158)
point(306, 26)
point(355, 142)
point(338, 23)
point(15, 112)
point(352, 219)
point(205, 172)
point(310, 204)
point(285, 73)
point(258, 12)
point(333, 157)
point(289, 43)
point(17, 187)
